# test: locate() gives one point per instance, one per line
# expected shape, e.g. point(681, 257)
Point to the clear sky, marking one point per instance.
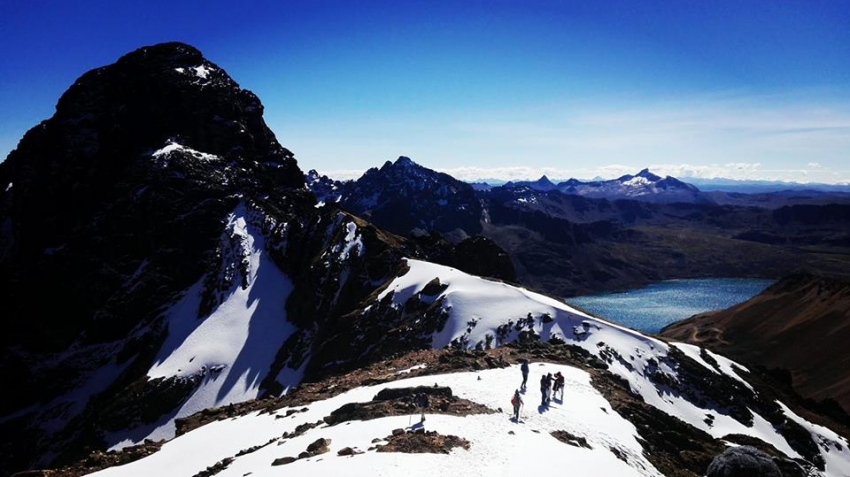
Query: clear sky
point(504, 89)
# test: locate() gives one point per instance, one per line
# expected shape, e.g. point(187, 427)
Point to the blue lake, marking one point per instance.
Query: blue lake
point(653, 307)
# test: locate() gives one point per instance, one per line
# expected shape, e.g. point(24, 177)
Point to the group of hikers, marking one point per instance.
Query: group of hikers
point(549, 386)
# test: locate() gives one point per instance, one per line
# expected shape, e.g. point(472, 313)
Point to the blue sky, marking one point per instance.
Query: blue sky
point(480, 89)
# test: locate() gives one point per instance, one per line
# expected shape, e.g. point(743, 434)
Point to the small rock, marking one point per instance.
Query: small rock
point(318, 445)
point(284, 460)
point(398, 432)
point(743, 461)
point(304, 455)
point(345, 451)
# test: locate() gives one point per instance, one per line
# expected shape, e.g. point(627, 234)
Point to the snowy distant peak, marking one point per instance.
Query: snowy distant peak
point(644, 186)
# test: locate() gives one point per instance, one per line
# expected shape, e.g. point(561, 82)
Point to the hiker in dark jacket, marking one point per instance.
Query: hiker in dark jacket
point(524, 369)
point(421, 402)
point(545, 384)
point(558, 385)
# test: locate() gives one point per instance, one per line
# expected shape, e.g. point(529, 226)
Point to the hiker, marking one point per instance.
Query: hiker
point(421, 402)
point(524, 369)
point(545, 384)
point(516, 401)
point(558, 385)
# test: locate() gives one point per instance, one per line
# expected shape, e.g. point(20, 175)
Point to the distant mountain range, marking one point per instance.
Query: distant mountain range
point(703, 184)
point(573, 237)
point(644, 186)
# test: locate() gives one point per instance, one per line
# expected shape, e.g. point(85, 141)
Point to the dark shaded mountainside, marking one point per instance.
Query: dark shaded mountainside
point(156, 183)
point(566, 243)
point(801, 325)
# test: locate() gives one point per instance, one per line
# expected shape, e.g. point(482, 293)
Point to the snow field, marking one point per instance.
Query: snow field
point(498, 446)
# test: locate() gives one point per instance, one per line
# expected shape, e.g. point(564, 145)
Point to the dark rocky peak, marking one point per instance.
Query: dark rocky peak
point(403, 196)
point(323, 187)
point(543, 184)
point(404, 161)
point(648, 175)
point(403, 169)
point(116, 115)
point(160, 112)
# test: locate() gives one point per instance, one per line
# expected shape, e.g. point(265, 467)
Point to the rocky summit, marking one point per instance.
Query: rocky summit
point(157, 184)
point(404, 197)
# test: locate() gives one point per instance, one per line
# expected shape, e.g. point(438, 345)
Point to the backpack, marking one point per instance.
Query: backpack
point(422, 400)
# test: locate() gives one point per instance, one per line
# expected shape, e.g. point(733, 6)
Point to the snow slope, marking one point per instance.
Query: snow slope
point(499, 446)
point(228, 352)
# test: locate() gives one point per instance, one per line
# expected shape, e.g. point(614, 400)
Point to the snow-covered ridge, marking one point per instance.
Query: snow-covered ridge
point(605, 444)
point(498, 446)
point(483, 313)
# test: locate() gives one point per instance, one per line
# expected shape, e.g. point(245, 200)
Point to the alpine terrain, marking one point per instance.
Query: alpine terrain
point(179, 303)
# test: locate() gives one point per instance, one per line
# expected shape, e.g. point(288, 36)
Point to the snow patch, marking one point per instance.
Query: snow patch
point(226, 354)
point(172, 146)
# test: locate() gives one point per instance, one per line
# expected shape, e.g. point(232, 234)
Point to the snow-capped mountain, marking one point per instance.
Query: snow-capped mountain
point(643, 186)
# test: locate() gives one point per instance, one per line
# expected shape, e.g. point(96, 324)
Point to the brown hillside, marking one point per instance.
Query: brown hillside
point(802, 324)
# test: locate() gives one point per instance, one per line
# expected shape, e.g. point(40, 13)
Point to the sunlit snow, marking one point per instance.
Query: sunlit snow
point(172, 146)
point(498, 446)
point(229, 351)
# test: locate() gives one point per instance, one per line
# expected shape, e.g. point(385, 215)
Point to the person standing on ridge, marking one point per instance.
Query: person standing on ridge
point(544, 390)
point(421, 402)
point(516, 401)
point(524, 369)
point(558, 385)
